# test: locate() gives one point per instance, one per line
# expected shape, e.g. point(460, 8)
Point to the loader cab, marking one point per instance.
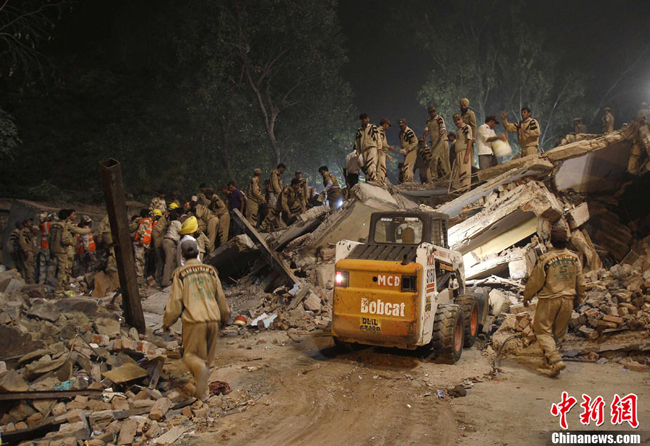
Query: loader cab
point(412, 228)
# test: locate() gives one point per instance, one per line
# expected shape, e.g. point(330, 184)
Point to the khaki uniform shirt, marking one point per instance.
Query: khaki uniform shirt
point(367, 138)
point(158, 232)
point(196, 296)
point(558, 273)
point(608, 122)
point(580, 128)
point(254, 191)
point(304, 191)
point(469, 118)
point(463, 136)
point(218, 206)
point(158, 203)
point(437, 130)
point(408, 139)
point(202, 199)
point(276, 182)
point(60, 238)
point(291, 200)
point(26, 240)
point(528, 132)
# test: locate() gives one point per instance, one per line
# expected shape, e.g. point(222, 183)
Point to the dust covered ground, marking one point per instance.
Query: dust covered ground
point(291, 388)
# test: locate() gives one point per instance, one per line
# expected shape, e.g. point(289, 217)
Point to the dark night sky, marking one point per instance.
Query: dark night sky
point(386, 73)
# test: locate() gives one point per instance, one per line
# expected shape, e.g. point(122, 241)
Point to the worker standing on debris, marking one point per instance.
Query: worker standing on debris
point(558, 282)
point(105, 240)
point(579, 127)
point(366, 143)
point(304, 189)
point(437, 132)
point(28, 250)
point(352, 169)
point(158, 202)
point(451, 143)
point(332, 189)
point(382, 151)
point(74, 230)
point(189, 229)
point(464, 152)
point(486, 136)
point(86, 246)
point(141, 243)
point(157, 237)
point(409, 149)
point(60, 240)
point(171, 238)
point(275, 185)
point(255, 198)
point(207, 220)
point(221, 211)
point(528, 131)
point(292, 202)
point(608, 120)
point(423, 161)
point(198, 299)
point(468, 115)
point(46, 266)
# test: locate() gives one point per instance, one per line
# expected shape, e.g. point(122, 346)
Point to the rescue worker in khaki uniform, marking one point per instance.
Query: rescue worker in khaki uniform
point(14, 247)
point(409, 149)
point(423, 161)
point(366, 143)
point(59, 240)
point(74, 230)
point(275, 185)
point(200, 196)
point(26, 243)
point(46, 265)
point(527, 130)
point(332, 191)
point(198, 299)
point(437, 131)
point(220, 209)
point(464, 152)
point(608, 120)
point(255, 198)
point(468, 115)
point(157, 235)
point(579, 127)
point(105, 240)
point(558, 282)
point(158, 202)
point(207, 222)
point(288, 205)
point(142, 243)
point(304, 189)
point(382, 151)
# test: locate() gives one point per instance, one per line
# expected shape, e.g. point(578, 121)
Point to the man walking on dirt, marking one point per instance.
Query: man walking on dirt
point(198, 299)
point(558, 282)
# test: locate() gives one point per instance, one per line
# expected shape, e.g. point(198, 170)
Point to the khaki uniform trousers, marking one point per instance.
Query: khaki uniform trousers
point(381, 167)
point(530, 150)
point(409, 165)
point(551, 321)
point(199, 347)
point(169, 249)
point(224, 229)
point(30, 266)
point(439, 155)
point(61, 269)
point(252, 209)
point(464, 170)
point(370, 164)
point(140, 253)
point(334, 197)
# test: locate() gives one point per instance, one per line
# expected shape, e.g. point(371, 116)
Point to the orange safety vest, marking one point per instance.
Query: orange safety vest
point(146, 238)
point(91, 243)
point(45, 232)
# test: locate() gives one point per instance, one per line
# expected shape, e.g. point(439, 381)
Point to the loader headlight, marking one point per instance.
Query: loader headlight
point(409, 283)
point(342, 278)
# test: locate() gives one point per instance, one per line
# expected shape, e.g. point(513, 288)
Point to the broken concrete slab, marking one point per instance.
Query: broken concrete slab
point(108, 327)
point(578, 216)
point(43, 310)
point(13, 382)
point(528, 201)
point(532, 164)
point(83, 305)
point(125, 373)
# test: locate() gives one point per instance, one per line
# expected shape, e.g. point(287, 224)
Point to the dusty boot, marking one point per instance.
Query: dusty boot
point(556, 368)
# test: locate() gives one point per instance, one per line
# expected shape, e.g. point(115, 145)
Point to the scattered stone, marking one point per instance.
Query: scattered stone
point(128, 431)
point(160, 408)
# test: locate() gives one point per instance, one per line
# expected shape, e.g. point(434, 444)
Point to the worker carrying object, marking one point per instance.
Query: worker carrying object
point(558, 282)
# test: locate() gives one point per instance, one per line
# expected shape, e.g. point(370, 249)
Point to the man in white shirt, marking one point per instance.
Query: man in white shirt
point(352, 168)
point(487, 135)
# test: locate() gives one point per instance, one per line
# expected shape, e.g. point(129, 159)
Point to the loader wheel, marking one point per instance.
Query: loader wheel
point(448, 333)
point(469, 306)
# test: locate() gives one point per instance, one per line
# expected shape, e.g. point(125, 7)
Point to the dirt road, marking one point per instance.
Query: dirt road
point(295, 390)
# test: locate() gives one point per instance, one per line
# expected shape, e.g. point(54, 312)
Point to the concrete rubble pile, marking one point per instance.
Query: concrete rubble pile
point(71, 371)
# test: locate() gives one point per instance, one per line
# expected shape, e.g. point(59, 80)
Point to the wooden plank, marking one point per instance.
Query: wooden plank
point(48, 394)
point(111, 172)
point(270, 255)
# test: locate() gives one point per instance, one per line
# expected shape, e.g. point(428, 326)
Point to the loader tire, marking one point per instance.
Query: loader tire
point(448, 333)
point(469, 306)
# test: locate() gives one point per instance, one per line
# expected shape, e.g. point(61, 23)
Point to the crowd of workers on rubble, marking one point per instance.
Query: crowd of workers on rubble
point(57, 246)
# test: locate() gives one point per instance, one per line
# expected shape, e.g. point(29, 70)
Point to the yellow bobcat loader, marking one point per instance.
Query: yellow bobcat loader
point(404, 288)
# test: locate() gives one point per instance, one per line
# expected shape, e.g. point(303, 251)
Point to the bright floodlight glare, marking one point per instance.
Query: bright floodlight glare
point(339, 278)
